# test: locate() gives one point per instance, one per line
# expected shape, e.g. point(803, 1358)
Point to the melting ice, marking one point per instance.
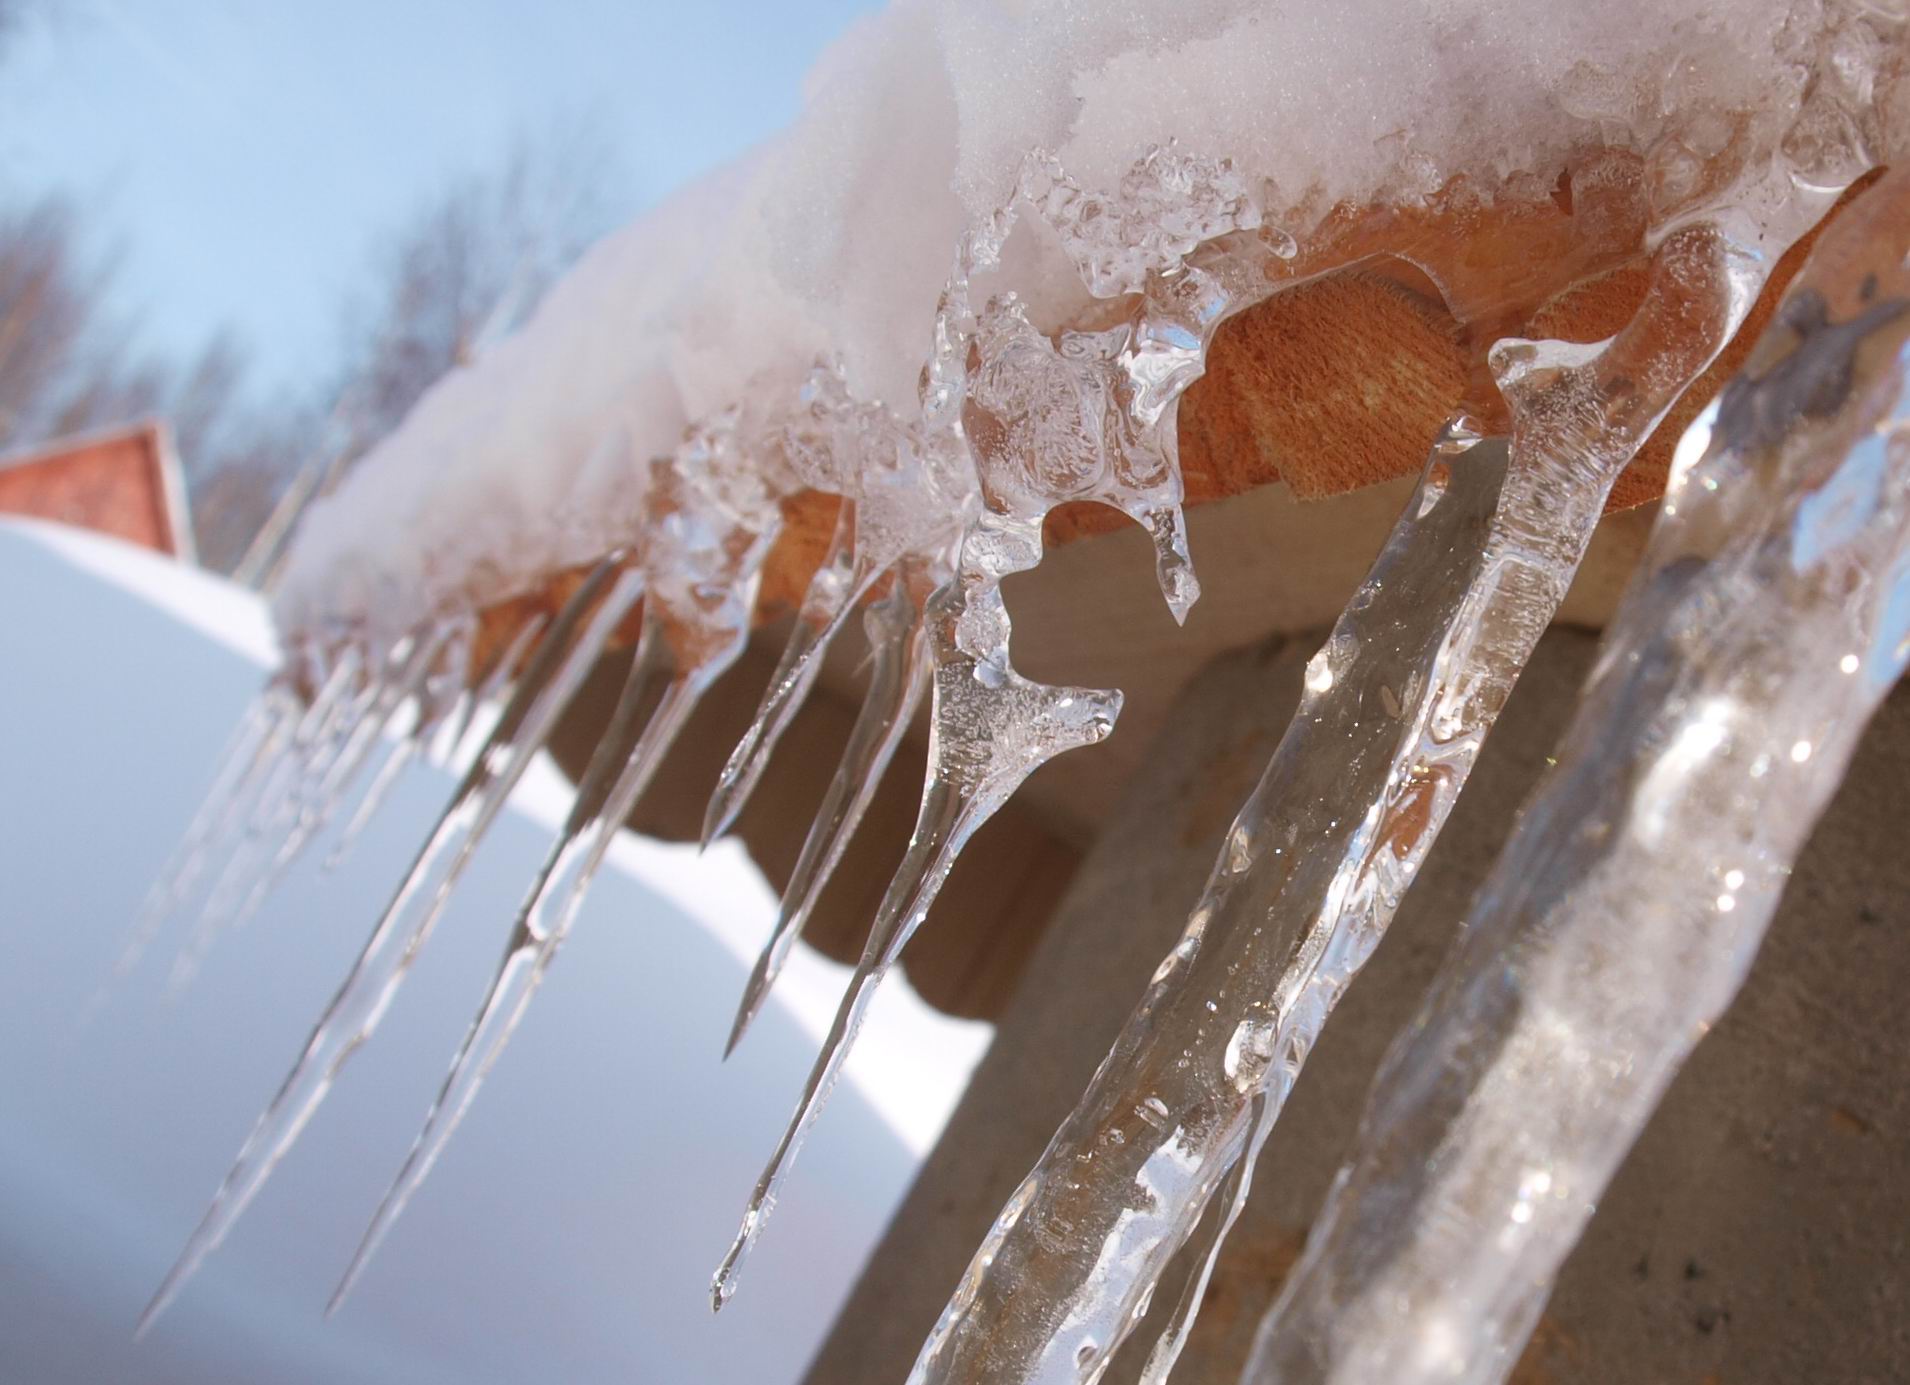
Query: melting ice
point(1114, 186)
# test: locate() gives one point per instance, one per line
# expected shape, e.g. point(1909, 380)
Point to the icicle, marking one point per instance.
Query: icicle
point(831, 595)
point(444, 698)
point(708, 530)
point(385, 699)
point(905, 495)
point(898, 678)
point(1768, 620)
point(489, 687)
point(535, 936)
point(1233, 1200)
point(1088, 417)
point(316, 741)
point(253, 749)
point(992, 728)
point(562, 659)
point(1394, 710)
point(1172, 240)
point(382, 782)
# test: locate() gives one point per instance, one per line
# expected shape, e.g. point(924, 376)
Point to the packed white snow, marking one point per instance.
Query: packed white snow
point(834, 240)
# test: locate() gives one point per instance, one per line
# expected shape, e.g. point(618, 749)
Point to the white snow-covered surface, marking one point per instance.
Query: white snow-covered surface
point(836, 237)
point(205, 604)
point(569, 1231)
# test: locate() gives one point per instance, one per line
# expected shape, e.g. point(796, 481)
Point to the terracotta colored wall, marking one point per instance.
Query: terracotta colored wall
point(113, 485)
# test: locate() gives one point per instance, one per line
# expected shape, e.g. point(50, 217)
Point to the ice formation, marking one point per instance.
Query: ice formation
point(971, 285)
point(1770, 616)
point(575, 639)
point(1396, 708)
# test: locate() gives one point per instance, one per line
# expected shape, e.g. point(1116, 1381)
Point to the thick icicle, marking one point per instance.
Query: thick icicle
point(1394, 710)
point(898, 677)
point(563, 658)
point(1771, 615)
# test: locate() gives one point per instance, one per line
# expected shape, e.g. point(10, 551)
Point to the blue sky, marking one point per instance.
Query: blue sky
point(242, 156)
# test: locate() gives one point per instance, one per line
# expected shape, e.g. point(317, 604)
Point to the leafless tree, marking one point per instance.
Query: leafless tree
point(64, 362)
point(69, 363)
point(463, 269)
point(467, 266)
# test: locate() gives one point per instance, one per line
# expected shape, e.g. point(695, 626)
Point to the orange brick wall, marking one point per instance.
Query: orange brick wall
point(113, 484)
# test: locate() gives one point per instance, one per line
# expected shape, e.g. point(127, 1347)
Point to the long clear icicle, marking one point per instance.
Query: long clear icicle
point(326, 779)
point(563, 658)
point(1395, 708)
point(404, 691)
point(490, 686)
point(990, 729)
point(619, 768)
point(443, 697)
point(905, 497)
point(712, 527)
point(317, 738)
point(898, 678)
point(1770, 616)
point(390, 770)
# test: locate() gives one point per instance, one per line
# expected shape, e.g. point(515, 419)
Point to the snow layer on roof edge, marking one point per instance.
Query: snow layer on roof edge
point(836, 237)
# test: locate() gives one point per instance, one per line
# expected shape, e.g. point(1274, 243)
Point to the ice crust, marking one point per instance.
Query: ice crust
point(835, 239)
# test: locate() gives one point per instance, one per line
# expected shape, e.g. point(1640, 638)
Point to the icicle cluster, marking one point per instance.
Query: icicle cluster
point(1771, 615)
point(1058, 347)
point(1396, 707)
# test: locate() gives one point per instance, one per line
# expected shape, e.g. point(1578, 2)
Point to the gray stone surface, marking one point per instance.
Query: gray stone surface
point(1760, 1232)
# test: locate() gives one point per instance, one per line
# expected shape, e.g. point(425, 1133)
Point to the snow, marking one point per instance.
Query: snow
point(836, 238)
point(129, 672)
point(203, 603)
